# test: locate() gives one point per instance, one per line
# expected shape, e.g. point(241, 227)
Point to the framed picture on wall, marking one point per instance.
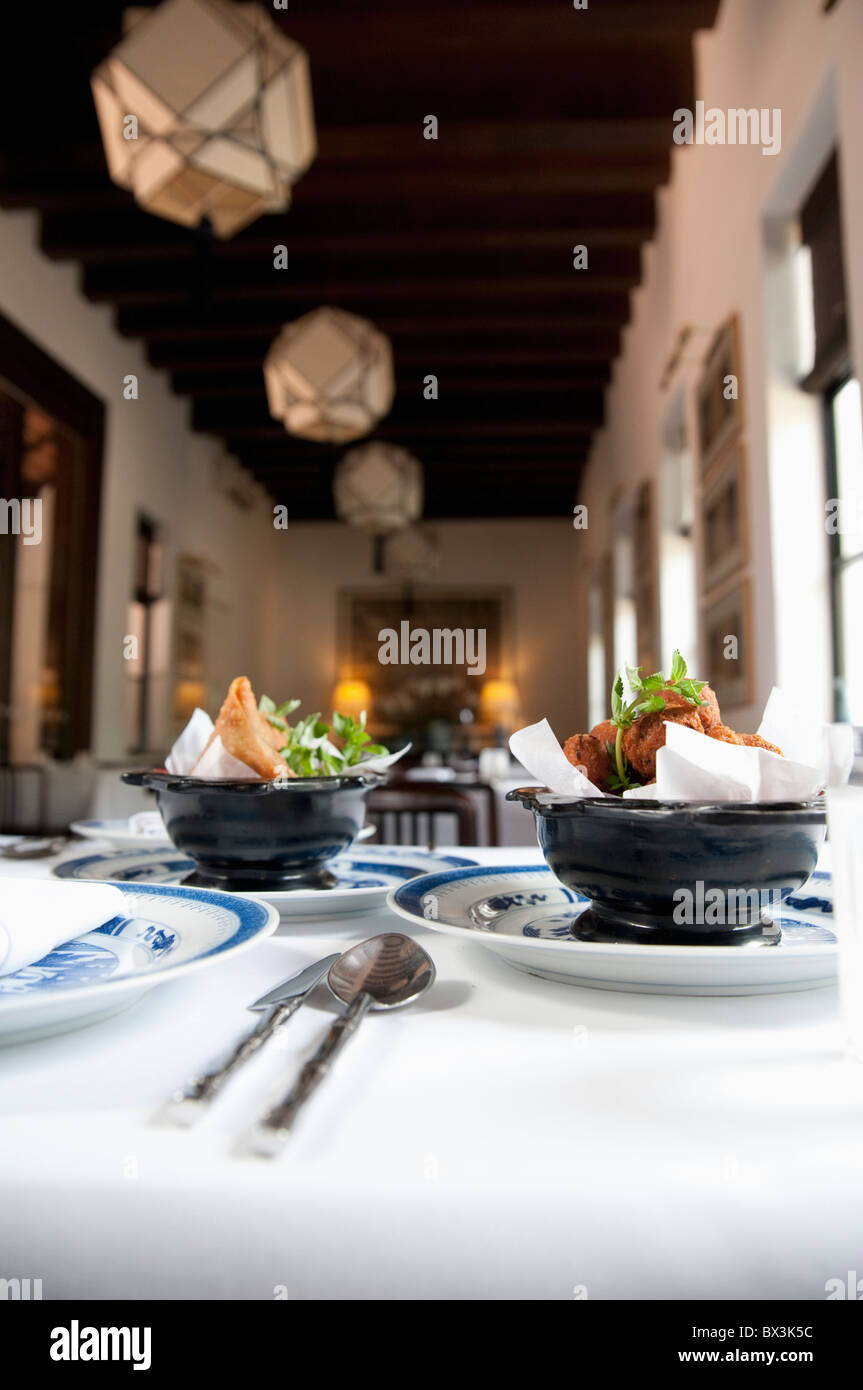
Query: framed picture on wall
point(724, 545)
point(728, 665)
point(718, 404)
point(407, 694)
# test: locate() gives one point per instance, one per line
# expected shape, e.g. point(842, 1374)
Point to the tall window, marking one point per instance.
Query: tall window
point(678, 621)
point(832, 378)
point(845, 522)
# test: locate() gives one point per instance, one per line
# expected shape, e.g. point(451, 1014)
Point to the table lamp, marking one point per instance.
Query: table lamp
point(351, 697)
point(499, 704)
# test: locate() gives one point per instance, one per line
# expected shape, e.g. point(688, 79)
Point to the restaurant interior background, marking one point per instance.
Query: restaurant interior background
point(532, 380)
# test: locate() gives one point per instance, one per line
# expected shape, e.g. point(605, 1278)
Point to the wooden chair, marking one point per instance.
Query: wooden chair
point(409, 814)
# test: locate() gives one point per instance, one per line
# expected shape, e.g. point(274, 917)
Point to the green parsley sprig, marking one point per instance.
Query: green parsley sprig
point(647, 696)
point(308, 749)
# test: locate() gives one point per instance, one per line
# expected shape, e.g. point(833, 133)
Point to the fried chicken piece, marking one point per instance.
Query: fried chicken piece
point(245, 733)
point(591, 755)
point(647, 734)
point(707, 711)
point(606, 732)
point(723, 734)
point(756, 741)
point(726, 735)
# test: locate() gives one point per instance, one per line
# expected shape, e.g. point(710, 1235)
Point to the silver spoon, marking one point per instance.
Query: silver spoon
point(385, 972)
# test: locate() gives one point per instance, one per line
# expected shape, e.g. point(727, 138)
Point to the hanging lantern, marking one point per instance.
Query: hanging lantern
point(379, 488)
point(205, 109)
point(329, 376)
point(412, 554)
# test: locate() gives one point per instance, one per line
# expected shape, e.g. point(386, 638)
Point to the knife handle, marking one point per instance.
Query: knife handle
point(188, 1105)
point(273, 1131)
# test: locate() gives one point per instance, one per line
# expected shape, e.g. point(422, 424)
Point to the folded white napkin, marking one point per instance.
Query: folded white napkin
point(537, 749)
point(37, 915)
point(691, 767)
point(189, 758)
point(190, 744)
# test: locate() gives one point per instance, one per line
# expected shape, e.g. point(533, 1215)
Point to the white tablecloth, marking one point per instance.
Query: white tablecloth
point(509, 1138)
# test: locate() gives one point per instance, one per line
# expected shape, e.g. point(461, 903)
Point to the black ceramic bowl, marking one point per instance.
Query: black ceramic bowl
point(676, 871)
point(255, 835)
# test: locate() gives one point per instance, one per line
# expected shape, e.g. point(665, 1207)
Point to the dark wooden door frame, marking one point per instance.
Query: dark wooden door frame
point(30, 375)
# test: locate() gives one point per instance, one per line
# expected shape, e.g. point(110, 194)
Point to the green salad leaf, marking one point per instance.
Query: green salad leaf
point(309, 749)
point(644, 701)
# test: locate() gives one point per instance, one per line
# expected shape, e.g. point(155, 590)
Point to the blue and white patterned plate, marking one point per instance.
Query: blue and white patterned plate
point(166, 932)
point(524, 915)
point(364, 876)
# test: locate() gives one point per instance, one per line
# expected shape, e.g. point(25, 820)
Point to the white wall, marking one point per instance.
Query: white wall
point(709, 260)
point(153, 462)
point(535, 558)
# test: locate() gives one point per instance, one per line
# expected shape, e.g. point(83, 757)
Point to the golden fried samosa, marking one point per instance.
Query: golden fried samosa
point(246, 734)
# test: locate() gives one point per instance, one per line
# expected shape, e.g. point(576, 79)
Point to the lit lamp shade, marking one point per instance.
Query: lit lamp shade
point(329, 376)
point(352, 697)
point(379, 488)
point(223, 105)
point(499, 703)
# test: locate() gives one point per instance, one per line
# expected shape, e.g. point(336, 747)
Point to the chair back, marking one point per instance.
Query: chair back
point(417, 813)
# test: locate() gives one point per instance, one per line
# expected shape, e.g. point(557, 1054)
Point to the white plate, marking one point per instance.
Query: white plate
point(119, 834)
point(364, 875)
point(524, 915)
point(167, 932)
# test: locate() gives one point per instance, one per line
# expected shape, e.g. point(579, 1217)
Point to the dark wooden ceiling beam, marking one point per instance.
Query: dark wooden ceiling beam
point(591, 347)
point(601, 313)
point(139, 239)
point(580, 410)
point(282, 296)
point(411, 436)
point(340, 274)
point(219, 383)
point(55, 188)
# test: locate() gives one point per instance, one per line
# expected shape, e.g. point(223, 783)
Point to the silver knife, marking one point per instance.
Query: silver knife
point(278, 1005)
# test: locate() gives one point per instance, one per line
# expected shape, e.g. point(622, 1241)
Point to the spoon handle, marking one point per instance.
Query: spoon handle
point(186, 1106)
point(272, 1132)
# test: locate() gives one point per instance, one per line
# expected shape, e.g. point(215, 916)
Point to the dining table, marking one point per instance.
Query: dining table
point(507, 1137)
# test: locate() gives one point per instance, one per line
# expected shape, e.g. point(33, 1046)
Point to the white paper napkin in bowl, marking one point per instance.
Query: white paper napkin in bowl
point(692, 767)
point(537, 749)
point(190, 756)
point(36, 916)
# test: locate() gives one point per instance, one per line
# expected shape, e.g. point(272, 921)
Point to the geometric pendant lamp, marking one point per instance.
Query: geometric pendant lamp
point(205, 110)
point(413, 553)
point(378, 487)
point(329, 376)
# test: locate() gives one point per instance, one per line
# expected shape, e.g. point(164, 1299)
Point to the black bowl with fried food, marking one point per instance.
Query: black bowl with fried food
point(255, 835)
point(676, 872)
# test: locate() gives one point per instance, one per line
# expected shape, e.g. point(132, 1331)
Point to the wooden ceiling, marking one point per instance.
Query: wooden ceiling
point(554, 130)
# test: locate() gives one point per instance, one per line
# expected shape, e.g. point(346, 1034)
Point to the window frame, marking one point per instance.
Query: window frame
point(30, 375)
point(839, 563)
